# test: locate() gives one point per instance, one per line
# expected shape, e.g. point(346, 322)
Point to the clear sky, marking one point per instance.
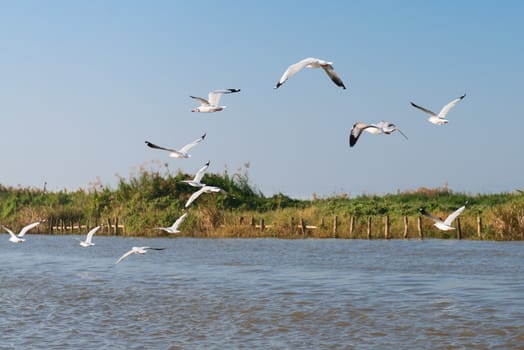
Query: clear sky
point(84, 83)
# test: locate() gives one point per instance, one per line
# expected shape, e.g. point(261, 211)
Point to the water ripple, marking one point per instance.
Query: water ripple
point(269, 294)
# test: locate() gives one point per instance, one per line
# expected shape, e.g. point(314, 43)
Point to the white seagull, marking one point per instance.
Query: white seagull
point(446, 224)
point(205, 189)
point(19, 238)
point(381, 127)
point(440, 118)
point(89, 237)
point(311, 62)
point(136, 250)
point(211, 104)
point(181, 153)
point(198, 177)
point(174, 228)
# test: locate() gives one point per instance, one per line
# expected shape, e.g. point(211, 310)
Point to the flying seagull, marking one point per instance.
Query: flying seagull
point(211, 104)
point(174, 228)
point(205, 189)
point(19, 238)
point(89, 238)
point(198, 177)
point(446, 224)
point(136, 250)
point(440, 118)
point(311, 62)
point(181, 153)
point(381, 127)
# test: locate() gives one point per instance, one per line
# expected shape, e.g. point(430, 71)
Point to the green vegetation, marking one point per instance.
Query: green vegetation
point(156, 198)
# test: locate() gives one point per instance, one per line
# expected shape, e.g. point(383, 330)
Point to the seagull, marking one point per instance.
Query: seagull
point(446, 224)
point(198, 177)
point(174, 228)
point(89, 237)
point(211, 104)
point(311, 62)
point(18, 239)
point(382, 127)
point(441, 117)
point(181, 153)
point(205, 189)
point(136, 250)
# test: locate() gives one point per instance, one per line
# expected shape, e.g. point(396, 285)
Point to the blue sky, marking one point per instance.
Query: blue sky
point(85, 83)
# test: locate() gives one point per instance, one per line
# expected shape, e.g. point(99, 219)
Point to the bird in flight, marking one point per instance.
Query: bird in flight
point(211, 104)
point(205, 189)
point(174, 228)
point(311, 62)
point(382, 127)
point(440, 118)
point(89, 238)
point(181, 153)
point(195, 182)
point(446, 224)
point(14, 238)
point(136, 250)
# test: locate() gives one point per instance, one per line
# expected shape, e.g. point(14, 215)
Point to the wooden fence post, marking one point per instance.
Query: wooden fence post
point(335, 225)
point(351, 226)
point(419, 226)
point(109, 226)
point(292, 225)
point(262, 225)
point(241, 220)
point(386, 227)
point(303, 227)
point(459, 229)
point(369, 227)
point(116, 226)
point(479, 227)
point(322, 223)
point(405, 226)
point(253, 221)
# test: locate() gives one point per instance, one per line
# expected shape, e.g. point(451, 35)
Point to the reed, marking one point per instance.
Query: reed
point(154, 198)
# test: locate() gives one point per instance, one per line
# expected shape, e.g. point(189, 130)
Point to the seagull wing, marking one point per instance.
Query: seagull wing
point(214, 96)
point(152, 248)
point(424, 110)
point(27, 228)
point(187, 147)
point(388, 128)
point(294, 68)
point(454, 215)
point(203, 101)
point(11, 233)
point(429, 216)
point(195, 195)
point(132, 251)
point(444, 111)
point(90, 234)
point(400, 131)
point(178, 222)
point(200, 173)
point(152, 145)
point(356, 131)
point(330, 71)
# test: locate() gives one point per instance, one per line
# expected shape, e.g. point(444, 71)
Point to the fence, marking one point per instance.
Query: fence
point(372, 229)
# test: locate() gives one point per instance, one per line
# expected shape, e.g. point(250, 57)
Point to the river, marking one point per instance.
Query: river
point(261, 294)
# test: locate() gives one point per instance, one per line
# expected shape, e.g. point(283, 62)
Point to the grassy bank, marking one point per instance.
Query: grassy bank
point(154, 198)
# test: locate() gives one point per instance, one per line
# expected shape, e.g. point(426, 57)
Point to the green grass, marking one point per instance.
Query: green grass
point(156, 198)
